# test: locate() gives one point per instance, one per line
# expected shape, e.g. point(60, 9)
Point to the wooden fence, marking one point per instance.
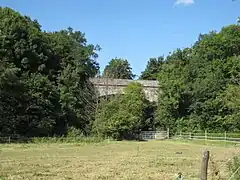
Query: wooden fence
point(225, 136)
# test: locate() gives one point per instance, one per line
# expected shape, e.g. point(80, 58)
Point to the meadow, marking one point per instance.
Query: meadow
point(112, 160)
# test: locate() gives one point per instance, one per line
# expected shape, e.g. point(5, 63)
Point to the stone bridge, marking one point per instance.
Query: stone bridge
point(108, 86)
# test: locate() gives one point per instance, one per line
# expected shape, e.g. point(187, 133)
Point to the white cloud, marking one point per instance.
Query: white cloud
point(184, 2)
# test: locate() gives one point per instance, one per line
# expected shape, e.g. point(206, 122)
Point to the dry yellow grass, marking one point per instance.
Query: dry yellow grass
point(115, 160)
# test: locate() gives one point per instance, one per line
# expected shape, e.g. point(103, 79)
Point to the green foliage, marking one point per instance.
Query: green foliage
point(122, 117)
point(119, 69)
point(200, 85)
point(45, 89)
point(153, 68)
point(174, 95)
point(44, 78)
point(11, 96)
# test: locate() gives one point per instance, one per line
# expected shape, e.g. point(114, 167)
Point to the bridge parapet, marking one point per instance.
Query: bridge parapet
point(108, 86)
point(122, 82)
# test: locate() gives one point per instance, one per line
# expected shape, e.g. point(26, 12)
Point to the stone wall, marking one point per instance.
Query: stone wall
point(107, 86)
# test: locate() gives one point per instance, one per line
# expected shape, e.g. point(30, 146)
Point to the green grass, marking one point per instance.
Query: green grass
point(109, 160)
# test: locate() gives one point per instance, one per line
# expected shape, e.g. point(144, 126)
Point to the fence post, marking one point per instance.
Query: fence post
point(168, 133)
point(204, 166)
point(190, 136)
point(205, 135)
point(9, 139)
point(181, 134)
point(225, 138)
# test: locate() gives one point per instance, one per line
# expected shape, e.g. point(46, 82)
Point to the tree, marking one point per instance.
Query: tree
point(175, 98)
point(119, 69)
point(153, 68)
point(219, 45)
point(77, 64)
point(122, 117)
point(26, 56)
point(229, 102)
point(11, 98)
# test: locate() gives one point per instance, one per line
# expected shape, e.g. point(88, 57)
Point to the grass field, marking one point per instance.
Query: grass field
point(114, 160)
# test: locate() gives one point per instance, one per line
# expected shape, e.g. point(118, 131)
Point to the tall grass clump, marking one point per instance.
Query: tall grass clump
point(234, 168)
point(73, 136)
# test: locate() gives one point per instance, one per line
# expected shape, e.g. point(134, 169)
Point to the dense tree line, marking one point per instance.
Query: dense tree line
point(200, 85)
point(45, 88)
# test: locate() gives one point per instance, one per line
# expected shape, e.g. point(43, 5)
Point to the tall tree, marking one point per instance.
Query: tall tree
point(119, 69)
point(26, 56)
point(77, 63)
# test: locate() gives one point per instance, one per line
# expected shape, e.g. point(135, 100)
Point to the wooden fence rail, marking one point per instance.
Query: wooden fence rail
point(209, 136)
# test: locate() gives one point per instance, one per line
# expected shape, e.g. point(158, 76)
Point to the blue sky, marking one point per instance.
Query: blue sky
point(132, 29)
